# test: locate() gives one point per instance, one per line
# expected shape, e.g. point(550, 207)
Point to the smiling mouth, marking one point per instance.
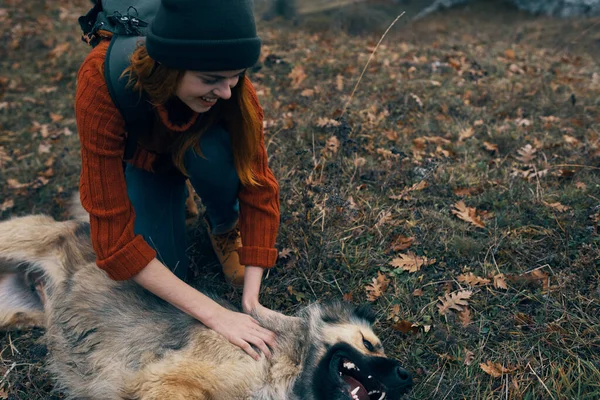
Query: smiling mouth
point(208, 100)
point(361, 387)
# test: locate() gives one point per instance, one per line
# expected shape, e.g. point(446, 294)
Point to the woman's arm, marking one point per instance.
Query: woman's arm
point(240, 329)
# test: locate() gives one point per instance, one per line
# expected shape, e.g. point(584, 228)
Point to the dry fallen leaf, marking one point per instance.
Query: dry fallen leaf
point(465, 317)
point(454, 301)
point(307, 93)
point(378, 286)
point(557, 206)
point(410, 262)
point(500, 282)
point(285, 253)
point(327, 122)
point(339, 82)
point(465, 134)
point(417, 292)
point(467, 214)
point(510, 54)
point(570, 140)
point(7, 205)
point(297, 76)
point(526, 154)
point(494, 369)
point(469, 357)
point(401, 243)
point(581, 186)
point(56, 117)
point(44, 148)
point(473, 280)
point(332, 145)
point(15, 184)
point(491, 147)
point(405, 327)
point(59, 50)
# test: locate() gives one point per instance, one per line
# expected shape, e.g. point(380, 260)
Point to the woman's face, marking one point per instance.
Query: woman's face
point(201, 90)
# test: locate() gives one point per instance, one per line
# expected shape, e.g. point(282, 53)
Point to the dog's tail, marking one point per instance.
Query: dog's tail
point(37, 252)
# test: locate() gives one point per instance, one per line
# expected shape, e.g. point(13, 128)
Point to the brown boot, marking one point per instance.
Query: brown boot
point(225, 247)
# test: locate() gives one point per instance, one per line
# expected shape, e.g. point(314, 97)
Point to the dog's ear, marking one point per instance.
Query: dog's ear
point(366, 313)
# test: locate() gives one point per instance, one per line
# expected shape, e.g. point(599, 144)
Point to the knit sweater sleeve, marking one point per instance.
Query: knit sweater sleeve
point(103, 191)
point(259, 208)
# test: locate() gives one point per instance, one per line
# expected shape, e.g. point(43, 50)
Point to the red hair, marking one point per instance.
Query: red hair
point(238, 114)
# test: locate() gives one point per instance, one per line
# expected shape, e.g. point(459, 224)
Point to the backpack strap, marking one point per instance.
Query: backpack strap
point(134, 107)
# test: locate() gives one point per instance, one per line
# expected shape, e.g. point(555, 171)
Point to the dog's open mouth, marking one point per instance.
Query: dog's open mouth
point(362, 385)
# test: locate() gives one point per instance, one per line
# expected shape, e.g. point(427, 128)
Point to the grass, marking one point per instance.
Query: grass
point(511, 78)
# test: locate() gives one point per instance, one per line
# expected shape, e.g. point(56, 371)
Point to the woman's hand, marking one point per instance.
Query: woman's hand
point(243, 331)
point(240, 329)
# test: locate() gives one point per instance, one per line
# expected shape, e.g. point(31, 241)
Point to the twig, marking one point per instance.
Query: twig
point(541, 381)
point(369, 61)
point(13, 365)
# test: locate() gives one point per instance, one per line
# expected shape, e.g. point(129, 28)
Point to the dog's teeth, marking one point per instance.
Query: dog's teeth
point(382, 396)
point(370, 377)
point(355, 391)
point(349, 365)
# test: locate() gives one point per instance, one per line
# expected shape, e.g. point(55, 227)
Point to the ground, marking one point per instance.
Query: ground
point(457, 189)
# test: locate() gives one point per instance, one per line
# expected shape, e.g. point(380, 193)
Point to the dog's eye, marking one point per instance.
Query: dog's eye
point(368, 345)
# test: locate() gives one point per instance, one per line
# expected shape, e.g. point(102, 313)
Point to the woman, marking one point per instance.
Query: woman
point(207, 126)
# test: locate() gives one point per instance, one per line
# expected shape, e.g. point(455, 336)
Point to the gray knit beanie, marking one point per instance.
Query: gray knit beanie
point(204, 35)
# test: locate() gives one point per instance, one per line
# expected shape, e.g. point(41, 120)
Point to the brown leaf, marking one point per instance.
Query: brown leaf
point(570, 140)
point(348, 297)
point(510, 54)
point(394, 312)
point(47, 89)
point(469, 357)
point(307, 93)
point(539, 275)
point(339, 82)
point(44, 148)
point(467, 191)
point(526, 154)
point(15, 184)
point(56, 117)
point(417, 292)
point(332, 145)
point(467, 214)
point(465, 317)
point(494, 369)
point(466, 134)
point(557, 206)
point(405, 327)
point(410, 262)
point(581, 186)
point(59, 50)
point(401, 243)
point(473, 280)
point(500, 282)
point(378, 286)
point(7, 205)
point(285, 253)
point(297, 76)
point(491, 147)
point(454, 301)
point(327, 122)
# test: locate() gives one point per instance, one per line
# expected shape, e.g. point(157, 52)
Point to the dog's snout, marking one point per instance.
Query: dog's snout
point(403, 376)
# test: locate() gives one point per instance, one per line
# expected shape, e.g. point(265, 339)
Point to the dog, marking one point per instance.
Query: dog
point(115, 340)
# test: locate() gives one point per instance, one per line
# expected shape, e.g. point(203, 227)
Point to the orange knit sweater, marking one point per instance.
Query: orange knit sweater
point(120, 252)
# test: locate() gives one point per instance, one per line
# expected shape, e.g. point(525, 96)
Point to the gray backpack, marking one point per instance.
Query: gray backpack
point(127, 21)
